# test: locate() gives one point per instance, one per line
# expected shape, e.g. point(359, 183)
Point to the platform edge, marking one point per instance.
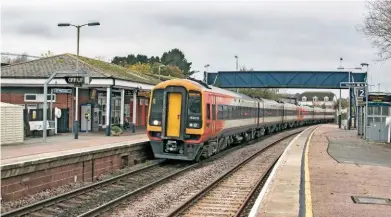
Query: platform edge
point(258, 201)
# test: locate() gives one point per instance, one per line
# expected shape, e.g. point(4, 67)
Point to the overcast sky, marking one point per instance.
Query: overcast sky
point(266, 35)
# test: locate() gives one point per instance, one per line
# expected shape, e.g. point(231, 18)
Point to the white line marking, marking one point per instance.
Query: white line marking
point(257, 203)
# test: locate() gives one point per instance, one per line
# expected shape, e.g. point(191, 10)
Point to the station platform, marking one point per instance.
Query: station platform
point(63, 144)
point(327, 171)
point(34, 166)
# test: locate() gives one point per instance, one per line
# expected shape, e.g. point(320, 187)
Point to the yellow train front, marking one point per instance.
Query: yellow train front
point(175, 114)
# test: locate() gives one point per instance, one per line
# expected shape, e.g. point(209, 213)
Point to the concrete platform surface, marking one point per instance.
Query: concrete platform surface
point(348, 148)
point(308, 181)
point(64, 145)
point(281, 194)
point(333, 183)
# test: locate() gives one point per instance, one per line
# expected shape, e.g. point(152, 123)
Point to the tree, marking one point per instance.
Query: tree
point(175, 57)
point(47, 54)
point(20, 59)
point(377, 26)
point(101, 58)
point(177, 64)
point(344, 103)
point(141, 68)
point(173, 71)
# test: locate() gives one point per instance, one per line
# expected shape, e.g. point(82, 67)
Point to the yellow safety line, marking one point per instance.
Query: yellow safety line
point(307, 186)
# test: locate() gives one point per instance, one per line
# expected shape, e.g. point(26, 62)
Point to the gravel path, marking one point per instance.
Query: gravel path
point(8, 206)
point(159, 200)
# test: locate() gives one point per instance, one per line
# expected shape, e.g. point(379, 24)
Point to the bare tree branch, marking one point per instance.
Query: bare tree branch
point(377, 27)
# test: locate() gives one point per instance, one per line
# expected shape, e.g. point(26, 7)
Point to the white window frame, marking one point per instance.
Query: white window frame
point(39, 97)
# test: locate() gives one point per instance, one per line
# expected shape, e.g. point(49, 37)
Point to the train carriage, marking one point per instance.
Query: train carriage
point(188, 119)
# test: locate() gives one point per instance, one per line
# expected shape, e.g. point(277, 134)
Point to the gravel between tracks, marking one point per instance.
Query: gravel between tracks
point(11, 205)
point(159, 200)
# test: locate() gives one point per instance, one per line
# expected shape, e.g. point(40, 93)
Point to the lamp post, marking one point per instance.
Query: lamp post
point(76, 123)
point(366, 99)
point(350, 94)
point(237, 68)
point(159, 69)
point(237, 62)
point(205, 72)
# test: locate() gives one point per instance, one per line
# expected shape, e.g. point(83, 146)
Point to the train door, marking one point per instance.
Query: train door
point(258, 114)
point(208, 119)
point(214, 115)
point(174, 114)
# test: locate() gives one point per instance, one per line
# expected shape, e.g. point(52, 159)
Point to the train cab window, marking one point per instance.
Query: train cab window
point(208, 111)
point(194, 102)
point(155, 117)
point(194, 110)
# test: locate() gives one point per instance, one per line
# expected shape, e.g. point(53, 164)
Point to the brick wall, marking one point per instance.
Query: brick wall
point(16, 187)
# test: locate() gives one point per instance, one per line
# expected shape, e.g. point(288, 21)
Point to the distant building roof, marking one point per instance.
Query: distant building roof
point(320, 95)
point(44, 67)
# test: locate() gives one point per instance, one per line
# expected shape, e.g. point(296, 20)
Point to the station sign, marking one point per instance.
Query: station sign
point(58, 90)
point(360, 92)
point(352, 84)
point(75, 80)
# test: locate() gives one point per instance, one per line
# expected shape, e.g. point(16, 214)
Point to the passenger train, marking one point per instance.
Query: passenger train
point(188, 119)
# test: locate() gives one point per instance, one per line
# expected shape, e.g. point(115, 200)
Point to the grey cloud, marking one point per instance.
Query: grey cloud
point(34, 29)
point(265, 35)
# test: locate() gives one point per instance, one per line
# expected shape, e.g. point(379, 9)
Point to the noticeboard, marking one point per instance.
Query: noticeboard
point(143, 94)
point(379, 98)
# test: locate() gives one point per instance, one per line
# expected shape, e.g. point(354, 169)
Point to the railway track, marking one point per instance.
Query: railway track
point(98, 198)
point(76, 201)
point(231, 193)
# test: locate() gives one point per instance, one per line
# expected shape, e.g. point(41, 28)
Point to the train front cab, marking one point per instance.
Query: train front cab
point(175, 131)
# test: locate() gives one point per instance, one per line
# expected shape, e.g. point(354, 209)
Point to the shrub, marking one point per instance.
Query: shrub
point(115, 130)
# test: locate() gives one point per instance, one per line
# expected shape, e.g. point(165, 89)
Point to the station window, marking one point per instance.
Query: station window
point(385, 111)
point(30, 97)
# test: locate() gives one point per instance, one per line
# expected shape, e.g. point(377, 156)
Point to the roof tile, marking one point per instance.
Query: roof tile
point(43, 68)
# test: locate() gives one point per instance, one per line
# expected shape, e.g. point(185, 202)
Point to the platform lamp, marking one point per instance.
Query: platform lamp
point(205, 72)
point(76, 123)
point(366, 98)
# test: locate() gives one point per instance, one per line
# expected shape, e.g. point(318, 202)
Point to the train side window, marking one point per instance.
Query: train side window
point(225, 112)
point(208, 111)
point(220, 112)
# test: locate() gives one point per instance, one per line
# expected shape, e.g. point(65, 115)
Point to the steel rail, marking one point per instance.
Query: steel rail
point(98, 210)
point(71, 194)
point(184, 206)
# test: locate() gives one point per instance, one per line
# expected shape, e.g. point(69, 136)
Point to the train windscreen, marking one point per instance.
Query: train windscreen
point(194, 110)
point(155, 116)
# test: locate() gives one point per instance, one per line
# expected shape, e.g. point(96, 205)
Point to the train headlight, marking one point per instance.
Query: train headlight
point(156, 122)
point(194, 125)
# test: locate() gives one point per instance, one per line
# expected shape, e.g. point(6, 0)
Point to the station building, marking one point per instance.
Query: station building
point(114, 96)
point(379, 109)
